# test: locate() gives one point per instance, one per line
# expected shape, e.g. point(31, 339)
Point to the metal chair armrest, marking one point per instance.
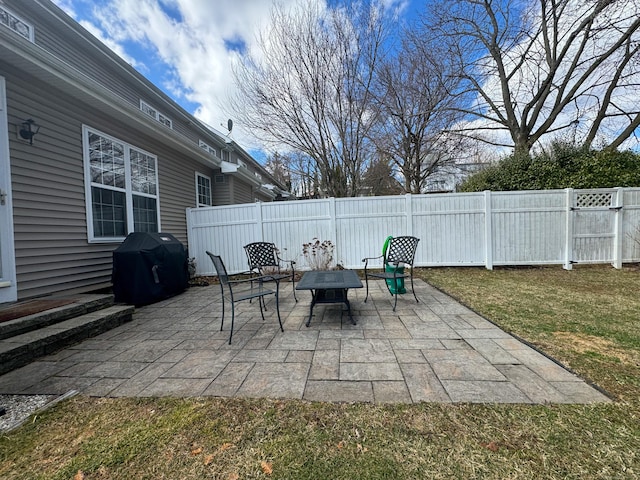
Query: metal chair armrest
point(366, 260)
point(251, 279)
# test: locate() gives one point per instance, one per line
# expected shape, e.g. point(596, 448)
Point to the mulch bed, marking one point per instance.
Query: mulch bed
point(30, 307)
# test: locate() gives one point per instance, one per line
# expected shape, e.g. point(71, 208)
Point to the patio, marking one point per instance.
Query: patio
point(433, 351)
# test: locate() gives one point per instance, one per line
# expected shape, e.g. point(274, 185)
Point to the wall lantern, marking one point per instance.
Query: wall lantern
point(29, 130)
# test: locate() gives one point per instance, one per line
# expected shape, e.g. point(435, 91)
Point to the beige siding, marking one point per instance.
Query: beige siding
point(242, 193)
point(52, 250)
point(91, 58)
point(221, 190)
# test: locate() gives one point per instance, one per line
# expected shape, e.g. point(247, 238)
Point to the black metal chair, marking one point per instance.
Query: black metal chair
point(238, 290)
point(400, 253)
point(264, 261)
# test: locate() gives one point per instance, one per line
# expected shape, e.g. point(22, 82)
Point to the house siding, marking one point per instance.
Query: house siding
point(220, 190)
point(72, 47)
point(52, 250)
point(50, 223)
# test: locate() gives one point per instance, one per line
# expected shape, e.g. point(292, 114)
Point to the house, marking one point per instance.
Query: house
point(90, 151)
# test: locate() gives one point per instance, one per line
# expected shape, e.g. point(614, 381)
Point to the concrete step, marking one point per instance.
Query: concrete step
point(80, 305)
point(19, 350)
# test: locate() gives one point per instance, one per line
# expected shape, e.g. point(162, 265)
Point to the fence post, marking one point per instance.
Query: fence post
point(568, 247)
point(618, 212)
point(408, 211)
point(259, 224)
point(488, 231)
point(334, 227)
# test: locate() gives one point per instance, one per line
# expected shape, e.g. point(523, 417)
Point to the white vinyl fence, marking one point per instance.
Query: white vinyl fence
point(458, 229)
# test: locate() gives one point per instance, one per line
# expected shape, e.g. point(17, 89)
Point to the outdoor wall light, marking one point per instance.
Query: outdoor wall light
point(29, 130)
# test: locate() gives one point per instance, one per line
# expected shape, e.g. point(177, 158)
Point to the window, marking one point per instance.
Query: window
point(15, 23)
point(207, 147)
point(121, 184)
point(152, 112)
point(203, 190)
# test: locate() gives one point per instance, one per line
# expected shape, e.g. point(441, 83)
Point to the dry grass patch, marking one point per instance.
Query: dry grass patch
point(588, 344)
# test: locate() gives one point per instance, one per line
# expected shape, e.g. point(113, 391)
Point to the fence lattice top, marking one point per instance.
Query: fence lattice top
point(593, 200)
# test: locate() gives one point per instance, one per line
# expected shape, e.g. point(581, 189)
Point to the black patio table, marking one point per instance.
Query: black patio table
point(329, 286)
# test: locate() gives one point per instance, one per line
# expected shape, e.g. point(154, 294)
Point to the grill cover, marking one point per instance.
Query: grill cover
point(148, 267)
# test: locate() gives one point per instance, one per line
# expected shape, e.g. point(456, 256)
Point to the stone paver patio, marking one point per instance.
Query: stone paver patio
point(433, 351)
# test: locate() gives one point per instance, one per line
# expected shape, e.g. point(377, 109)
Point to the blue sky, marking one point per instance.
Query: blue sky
point(185, 47)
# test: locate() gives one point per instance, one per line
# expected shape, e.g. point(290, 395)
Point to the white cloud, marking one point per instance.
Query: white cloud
point(196, 40)
point(191, 37)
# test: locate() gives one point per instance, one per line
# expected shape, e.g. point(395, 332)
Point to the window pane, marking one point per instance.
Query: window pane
point(143, 173)
point(145, 218)
point(204, 190)
point(107, 161)
point(109, 214)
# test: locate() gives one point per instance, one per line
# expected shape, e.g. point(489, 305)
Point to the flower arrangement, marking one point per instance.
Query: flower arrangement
point(317, 254)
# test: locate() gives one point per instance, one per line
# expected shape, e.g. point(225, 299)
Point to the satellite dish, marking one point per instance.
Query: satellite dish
point(229, 125)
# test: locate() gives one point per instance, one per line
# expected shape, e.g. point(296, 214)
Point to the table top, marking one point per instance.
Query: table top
point(329, 279)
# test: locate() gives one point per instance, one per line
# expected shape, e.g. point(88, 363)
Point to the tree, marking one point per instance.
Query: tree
point(277, 166)
point(379, 179)
point(534, 68)
point(309, 88)
point(416, 108)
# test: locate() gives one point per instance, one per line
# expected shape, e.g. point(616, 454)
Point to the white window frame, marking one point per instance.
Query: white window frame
point(199, 204)
point(15, 23)
point(205, 146)
point(127, 190)
point(153, 113)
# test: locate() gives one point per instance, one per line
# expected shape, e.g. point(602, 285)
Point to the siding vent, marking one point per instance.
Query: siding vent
point(15, 23)
point(152, 112)
point(208, 148)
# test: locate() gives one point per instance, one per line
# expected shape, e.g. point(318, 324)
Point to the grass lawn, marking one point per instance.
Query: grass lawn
point(586, 318)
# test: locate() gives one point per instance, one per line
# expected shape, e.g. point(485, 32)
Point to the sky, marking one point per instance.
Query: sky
point(185, 47)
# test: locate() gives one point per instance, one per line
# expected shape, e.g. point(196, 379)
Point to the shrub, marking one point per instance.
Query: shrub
point(562, 165)
point(317, 254)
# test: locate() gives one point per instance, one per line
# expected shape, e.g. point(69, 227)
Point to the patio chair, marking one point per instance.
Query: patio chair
point(236, 291)
point(264, 261)
point(401, 252)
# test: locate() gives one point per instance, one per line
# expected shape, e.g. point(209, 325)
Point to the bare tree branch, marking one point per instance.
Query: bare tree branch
point(309, 88)
point(540, 67)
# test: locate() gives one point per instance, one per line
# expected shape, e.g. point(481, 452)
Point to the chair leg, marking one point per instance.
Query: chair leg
point(233, 317)
point(222, 320)
point(293, 284)
point(386, 284)
point(278, 305)
point(412, 289)
point(261, 303)
point(366, 281)
point(395, 300)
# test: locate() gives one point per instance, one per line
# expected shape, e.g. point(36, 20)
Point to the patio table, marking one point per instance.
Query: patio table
point(329, 286)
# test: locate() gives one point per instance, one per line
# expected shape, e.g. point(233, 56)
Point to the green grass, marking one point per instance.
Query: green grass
point(587, 318)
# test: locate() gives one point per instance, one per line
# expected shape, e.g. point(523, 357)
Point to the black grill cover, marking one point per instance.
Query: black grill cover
point(148, 267)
